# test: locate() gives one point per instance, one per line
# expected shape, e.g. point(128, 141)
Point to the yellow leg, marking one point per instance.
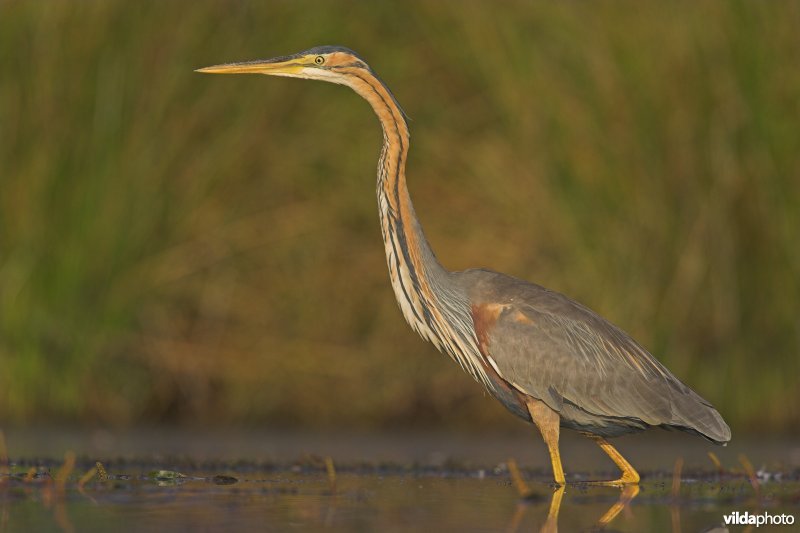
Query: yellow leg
point(548, 423)
point(629, 475)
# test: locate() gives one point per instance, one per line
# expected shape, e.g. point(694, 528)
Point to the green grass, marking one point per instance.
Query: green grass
point(175, 246)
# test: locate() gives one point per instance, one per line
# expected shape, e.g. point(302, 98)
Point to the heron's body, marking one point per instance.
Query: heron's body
point(592, 373)
point(547, 358)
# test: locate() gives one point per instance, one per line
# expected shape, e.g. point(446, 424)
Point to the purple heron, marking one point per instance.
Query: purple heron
point(545, 357)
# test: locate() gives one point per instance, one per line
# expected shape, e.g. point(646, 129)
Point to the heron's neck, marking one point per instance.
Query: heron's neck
point(415, 273)
point(432, 302)
point(402, 233)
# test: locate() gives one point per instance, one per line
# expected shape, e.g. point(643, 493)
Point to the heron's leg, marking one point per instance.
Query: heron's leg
point(548, 422)
point(629, 475)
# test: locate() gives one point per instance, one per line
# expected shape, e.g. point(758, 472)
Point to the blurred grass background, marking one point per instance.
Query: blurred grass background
point(185, 248)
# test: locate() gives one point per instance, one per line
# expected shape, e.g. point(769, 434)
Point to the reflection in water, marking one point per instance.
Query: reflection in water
point(550, 525)
point(629, 492)
point(72, 495)
point(674, 510)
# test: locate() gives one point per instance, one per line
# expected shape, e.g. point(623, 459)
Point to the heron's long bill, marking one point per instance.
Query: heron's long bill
point(275, 66)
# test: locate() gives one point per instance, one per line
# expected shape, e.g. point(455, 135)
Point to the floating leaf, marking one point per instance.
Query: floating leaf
point(166, 475)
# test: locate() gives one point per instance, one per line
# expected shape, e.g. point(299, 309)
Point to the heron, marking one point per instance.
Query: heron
point(547, 358)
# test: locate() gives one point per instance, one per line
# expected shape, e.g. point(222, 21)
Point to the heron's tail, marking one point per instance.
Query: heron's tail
point(694, 414)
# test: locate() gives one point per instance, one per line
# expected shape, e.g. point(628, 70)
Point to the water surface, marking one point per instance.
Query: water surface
point(235, 481)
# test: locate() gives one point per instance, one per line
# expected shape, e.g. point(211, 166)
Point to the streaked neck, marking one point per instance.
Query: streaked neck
point(431, 302)
point(413, 267)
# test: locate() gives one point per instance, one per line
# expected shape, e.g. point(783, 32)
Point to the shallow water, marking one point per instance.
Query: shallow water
point(376, 486)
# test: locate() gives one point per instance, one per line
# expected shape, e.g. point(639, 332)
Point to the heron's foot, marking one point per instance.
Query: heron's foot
point(628, 478)
point(629, 474)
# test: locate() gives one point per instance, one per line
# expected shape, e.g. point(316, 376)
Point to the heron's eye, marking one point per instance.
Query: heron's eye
point(319, 60)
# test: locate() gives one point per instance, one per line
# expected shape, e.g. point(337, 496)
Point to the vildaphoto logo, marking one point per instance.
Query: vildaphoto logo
point(761, 519)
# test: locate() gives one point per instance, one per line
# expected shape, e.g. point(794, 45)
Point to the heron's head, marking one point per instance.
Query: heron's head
point(335, 64)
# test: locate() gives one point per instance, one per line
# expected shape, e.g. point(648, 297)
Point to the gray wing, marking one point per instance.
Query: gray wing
point(593, 373)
